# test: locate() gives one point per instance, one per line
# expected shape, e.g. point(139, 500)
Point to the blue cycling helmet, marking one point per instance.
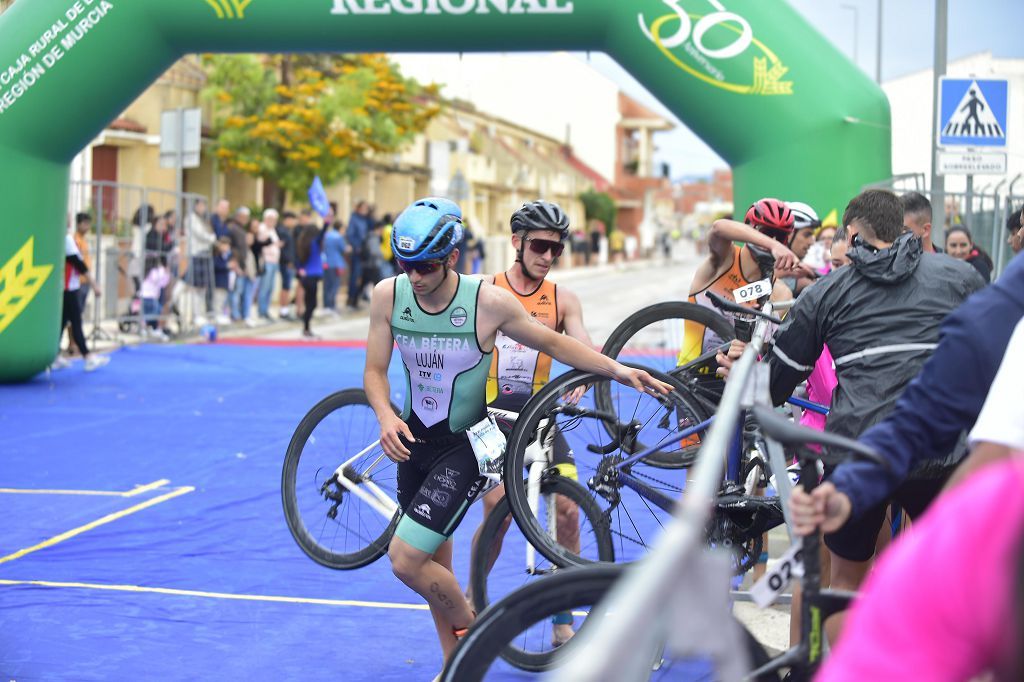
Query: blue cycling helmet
point(429, 229)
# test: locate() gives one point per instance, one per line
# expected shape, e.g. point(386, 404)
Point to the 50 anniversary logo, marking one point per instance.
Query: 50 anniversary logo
point(687, 48)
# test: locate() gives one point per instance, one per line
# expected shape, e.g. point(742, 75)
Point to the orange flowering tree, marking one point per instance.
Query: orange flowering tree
point(289, 118)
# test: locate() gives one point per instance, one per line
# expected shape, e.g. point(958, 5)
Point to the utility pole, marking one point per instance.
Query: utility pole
point(939, 68)
point(878, 47)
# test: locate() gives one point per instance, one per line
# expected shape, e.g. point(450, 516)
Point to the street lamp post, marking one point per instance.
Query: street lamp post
point(878, 47)
point(856, 21)
point(938, 186)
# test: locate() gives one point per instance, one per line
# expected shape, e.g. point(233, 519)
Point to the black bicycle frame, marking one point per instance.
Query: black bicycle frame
point(817, 604)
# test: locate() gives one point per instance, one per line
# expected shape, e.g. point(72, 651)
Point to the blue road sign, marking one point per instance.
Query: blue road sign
point(972, 112)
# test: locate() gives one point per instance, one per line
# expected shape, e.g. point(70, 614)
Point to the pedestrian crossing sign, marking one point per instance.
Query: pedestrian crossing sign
point(972, 112)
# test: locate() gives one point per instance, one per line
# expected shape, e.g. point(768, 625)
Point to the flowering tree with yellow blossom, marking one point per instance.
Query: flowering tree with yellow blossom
point(289, 118)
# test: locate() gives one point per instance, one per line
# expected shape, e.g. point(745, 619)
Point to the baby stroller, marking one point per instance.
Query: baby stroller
point(131, 321)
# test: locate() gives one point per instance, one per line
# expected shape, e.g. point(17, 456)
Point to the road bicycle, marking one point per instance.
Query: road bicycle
point(627, 631)
point(584, 591)
point(632, 468)
point(339, 494)
point(339, 489)
point(638, 491)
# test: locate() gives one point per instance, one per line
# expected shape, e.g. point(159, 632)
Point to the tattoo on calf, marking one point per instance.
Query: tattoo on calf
point(436, 589)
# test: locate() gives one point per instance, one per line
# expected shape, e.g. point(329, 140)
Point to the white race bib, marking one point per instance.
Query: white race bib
point(488, 445)
point(752, 291)
point(791, 565)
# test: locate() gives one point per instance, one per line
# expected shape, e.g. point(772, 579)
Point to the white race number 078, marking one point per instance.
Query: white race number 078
point(752, 291)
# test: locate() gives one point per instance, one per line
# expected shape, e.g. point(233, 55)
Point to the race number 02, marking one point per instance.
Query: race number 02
point(704, 24)
point(766, 590)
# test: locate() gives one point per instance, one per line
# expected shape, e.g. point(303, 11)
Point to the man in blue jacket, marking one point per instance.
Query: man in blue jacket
point(937, 407)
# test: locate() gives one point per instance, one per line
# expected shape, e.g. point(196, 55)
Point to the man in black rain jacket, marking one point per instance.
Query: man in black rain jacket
point(880, 318)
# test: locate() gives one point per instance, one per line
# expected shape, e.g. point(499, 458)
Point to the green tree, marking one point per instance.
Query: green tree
point(289, 118)
point(599, 206)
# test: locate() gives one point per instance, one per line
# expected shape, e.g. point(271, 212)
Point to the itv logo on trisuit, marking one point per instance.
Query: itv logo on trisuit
point(972, 112)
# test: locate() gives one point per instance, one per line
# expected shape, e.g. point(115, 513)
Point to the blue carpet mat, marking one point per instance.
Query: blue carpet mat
point(147, 595)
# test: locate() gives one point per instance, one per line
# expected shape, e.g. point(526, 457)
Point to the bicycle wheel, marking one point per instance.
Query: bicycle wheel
point(332, 525)
point(654, 337)
point(636, 497)
point(508, 574)
point(577, 590)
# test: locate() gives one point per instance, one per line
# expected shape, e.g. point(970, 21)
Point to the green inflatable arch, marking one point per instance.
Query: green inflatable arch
point(793, 117)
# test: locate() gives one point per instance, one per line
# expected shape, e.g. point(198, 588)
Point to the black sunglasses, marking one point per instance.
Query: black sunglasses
point(542, 246)
point(422, 267)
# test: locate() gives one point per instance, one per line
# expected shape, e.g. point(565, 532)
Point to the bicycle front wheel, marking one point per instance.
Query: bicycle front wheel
point(579, 591)
point(669, 337)
point(590, 540)
point(618, 471)
point(333, 525)
point(519, 614)
point(660, 335)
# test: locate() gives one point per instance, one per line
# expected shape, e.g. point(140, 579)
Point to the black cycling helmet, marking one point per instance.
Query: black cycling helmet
point(541, 215)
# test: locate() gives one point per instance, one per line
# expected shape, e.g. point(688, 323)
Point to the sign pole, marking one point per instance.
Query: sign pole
point(969, 201)
point(939, 69)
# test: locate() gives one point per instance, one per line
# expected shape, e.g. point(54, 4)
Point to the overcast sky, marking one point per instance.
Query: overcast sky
point(908, 29)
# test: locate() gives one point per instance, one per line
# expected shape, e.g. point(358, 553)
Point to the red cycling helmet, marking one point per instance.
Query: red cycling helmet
point(772, 217)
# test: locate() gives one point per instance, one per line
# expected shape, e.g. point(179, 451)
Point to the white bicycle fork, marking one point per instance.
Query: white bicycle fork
point(537, 459)
point(365, 489)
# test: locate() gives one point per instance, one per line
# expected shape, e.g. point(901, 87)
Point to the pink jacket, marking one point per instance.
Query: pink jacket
point(939, 606)
point(820, 385)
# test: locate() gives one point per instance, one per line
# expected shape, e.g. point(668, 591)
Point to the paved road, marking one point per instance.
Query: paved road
point(608, 294)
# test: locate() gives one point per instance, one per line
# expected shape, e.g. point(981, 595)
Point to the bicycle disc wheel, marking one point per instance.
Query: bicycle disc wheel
point(507, 573)
point(637, 497)
point(332, 525)
point(578, 590)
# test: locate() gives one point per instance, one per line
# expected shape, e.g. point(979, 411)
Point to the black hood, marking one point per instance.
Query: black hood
point(890, 265)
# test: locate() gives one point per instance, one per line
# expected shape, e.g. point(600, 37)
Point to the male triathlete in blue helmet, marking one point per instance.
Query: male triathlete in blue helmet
point(445, 325)
point(424, 235)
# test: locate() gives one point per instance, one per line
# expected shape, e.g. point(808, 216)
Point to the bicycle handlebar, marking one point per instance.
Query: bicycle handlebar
point(786, 432)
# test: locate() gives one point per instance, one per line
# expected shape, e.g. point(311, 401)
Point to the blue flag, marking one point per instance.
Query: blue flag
point(318, 198)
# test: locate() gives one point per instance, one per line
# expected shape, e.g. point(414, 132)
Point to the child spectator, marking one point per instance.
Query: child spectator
point(157, 277)
point(334, 255)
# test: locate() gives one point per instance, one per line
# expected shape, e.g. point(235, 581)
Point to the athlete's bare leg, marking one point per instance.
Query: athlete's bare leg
point(435, 582)
point(491, 499)
point(567, 530)
point(846, 575)
point(443, 557)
